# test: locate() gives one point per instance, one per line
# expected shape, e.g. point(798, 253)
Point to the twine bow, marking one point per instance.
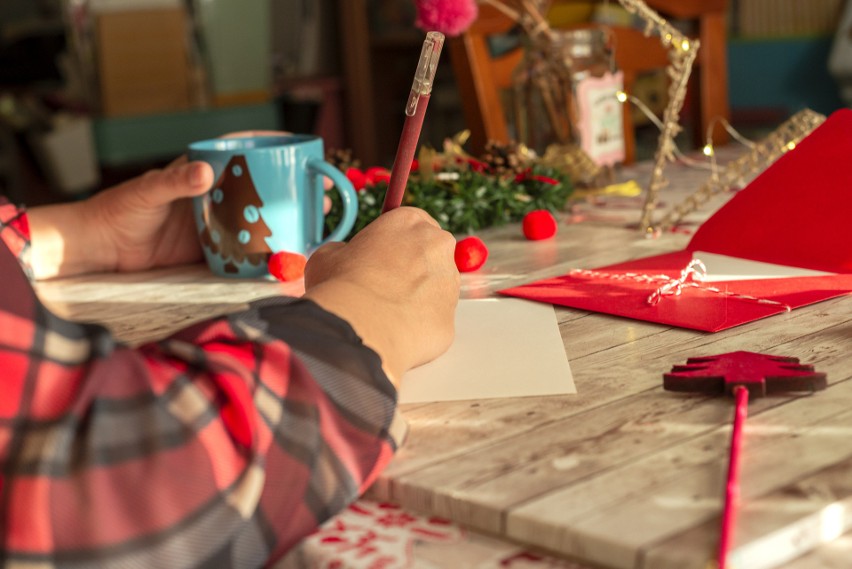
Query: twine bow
point(692, 276)
point(694, 273)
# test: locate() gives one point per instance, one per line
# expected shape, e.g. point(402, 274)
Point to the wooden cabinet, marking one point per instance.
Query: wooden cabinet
point(378, 65)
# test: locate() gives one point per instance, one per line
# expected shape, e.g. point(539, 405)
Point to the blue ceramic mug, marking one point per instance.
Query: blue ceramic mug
point(267, 197)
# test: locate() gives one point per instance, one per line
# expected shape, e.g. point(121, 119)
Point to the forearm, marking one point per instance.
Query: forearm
point(65, 241)
point(381, 328)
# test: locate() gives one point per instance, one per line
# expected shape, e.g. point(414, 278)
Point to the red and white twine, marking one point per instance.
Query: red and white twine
point(692, 276)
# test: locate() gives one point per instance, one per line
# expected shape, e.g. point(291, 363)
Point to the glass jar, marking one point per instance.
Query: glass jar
point(557, 91)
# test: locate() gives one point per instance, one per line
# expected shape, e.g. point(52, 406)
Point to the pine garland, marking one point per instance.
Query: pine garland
point(467, 195)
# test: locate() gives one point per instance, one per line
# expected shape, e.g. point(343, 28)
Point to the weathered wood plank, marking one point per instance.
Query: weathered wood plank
point(773, 528)
point(140, 307)
point(610, 518)
point(612, 374)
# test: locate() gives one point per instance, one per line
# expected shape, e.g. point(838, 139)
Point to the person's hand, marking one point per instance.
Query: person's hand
point(147, 222)
point(396, 283)
point(143, 223)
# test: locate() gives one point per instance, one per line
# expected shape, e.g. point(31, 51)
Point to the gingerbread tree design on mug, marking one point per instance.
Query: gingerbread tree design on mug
point(235, 229)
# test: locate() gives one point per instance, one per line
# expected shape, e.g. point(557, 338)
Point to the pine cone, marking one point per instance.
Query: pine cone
point(504, 159)
point(341, 158)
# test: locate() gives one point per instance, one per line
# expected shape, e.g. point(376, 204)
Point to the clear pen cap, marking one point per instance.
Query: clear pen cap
point(424, 77)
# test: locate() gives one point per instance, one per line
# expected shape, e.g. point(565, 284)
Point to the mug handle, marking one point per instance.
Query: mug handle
point(347, 194)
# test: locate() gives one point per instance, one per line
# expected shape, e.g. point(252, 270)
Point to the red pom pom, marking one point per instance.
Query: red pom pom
point(377, 174)
point(450, 17)
point(470, 254)
point(539, 224)
point(357, 177)
point(286, 266)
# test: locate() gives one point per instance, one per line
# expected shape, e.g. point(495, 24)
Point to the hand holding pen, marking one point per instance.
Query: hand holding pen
point(415, 110)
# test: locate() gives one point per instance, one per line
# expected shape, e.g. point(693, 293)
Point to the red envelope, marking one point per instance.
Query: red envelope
point(798, 213)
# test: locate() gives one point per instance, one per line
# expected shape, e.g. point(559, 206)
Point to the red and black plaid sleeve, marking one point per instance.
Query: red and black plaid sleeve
point(15, 233)
point(220, 446)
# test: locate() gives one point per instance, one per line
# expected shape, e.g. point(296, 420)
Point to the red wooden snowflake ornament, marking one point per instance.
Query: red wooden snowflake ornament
point(759, 373)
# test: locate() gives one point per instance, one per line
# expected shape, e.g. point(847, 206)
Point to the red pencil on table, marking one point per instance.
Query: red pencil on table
point(415, 110)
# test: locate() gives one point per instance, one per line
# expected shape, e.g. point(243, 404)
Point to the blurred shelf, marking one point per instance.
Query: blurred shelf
point(122, 141)
point(781, 74)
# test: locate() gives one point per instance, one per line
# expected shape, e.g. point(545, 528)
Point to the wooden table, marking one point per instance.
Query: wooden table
point(622, 474)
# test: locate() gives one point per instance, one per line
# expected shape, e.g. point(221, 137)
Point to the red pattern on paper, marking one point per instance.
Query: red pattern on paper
point(378, 535)
point(381, 535)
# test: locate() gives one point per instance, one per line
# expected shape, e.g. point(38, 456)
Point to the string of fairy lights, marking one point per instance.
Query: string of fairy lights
point(682, 54)
point(682, 50)
point(735, 174)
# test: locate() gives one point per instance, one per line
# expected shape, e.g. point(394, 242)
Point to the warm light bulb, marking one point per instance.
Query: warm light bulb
point(791, 145)
point(685, 45)
point(621, 96)
point(708, 150)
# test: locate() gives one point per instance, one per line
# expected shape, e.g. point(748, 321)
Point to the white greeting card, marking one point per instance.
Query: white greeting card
point(503, 347)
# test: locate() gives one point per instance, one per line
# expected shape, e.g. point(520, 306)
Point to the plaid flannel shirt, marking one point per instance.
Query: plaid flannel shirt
point(220, 446)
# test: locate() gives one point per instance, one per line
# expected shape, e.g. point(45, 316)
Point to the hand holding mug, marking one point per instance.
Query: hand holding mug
point(267, 197)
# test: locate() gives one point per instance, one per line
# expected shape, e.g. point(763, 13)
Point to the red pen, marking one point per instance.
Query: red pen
point(415, 110)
